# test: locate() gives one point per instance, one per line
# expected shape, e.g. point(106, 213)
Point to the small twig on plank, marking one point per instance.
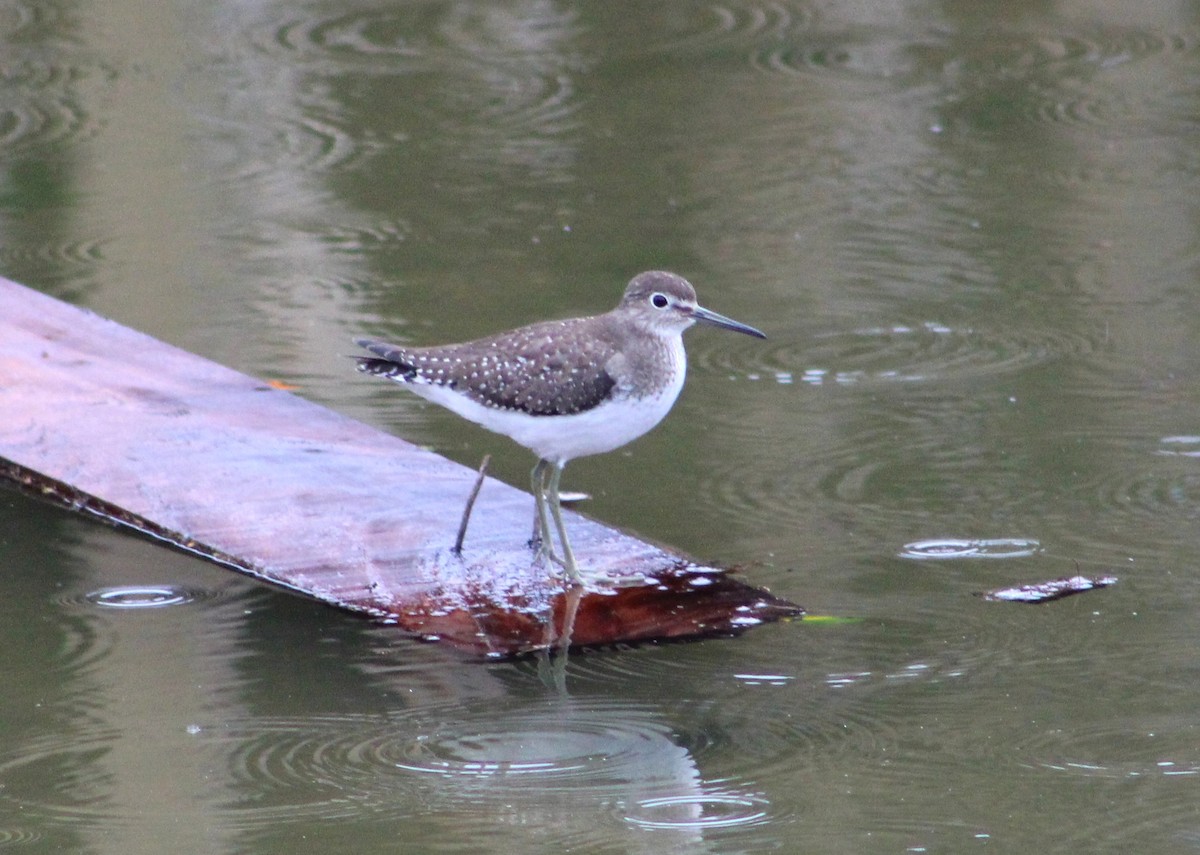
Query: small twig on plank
point(466, 517)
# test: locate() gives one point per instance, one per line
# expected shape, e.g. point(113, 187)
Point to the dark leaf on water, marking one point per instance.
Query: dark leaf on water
point(1043, 592)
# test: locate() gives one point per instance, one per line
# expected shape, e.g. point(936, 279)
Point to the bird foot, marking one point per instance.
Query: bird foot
point(570, 571)
point(572, 577)
point(544, 552)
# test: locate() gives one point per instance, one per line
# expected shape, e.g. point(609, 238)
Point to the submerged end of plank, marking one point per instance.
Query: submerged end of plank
point(109, 421)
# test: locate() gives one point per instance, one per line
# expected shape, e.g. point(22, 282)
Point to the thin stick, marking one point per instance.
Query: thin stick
point(466, 517)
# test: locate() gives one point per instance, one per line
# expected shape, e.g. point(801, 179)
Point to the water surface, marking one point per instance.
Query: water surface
point(971, 235)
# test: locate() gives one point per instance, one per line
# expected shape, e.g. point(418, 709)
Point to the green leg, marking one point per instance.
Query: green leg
point(538, 537)
point(542, 540)
point(568, 561)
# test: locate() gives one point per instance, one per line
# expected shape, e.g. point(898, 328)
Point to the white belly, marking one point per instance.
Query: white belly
point(610, 425)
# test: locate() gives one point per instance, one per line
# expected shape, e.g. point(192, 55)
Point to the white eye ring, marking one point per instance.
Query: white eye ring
point(659, 300)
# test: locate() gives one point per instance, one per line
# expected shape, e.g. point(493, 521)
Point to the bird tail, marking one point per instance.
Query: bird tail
point(388, 361)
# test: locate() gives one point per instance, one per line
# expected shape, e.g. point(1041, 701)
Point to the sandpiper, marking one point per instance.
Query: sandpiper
point(564, 389)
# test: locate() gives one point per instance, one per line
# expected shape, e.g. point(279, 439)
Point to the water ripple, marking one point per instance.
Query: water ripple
point(1179, 446)
point(1140, 492)
point(143, 596)
point(575, 754)
point(1020, 52)
point(320, 144)
point(1105, 752)
point(311, 139)
point(135, 597)
point(747, 750)
point(1148, 494)
point(325, 767)
point(869, 55)
point(16, 16)
point(922, 351)
point(42, 102)
point(85, 645)
point(12, 837)
point(700, 812)
point(886, 53)
point(913, 452)
point(725, 733)
point(1070, 78)
point(506, 81)
point(82, 254)
point(350, 36)
point(738, 23)
point(58, 776)
point(886, 468)
point(941, 549)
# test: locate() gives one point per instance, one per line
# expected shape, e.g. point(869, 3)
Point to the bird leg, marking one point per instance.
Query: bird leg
point(547, 505)
point(536, 538)
point(541, 541)
point(568, 561)
point(457, 548)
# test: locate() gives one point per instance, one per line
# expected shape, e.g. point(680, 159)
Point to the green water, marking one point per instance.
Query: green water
point(971, 233)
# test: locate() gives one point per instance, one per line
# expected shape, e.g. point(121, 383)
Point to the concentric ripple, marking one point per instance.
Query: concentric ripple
point(1156, 756)
point(310, 138)
point(350, 36)
point(499, 83)
point(558, 758)
point(321, 145)
point(707, 811)
point(730, 733)
point(733, 24)
point(143, 597)
point(321, 767)
point(13, 837)
point(85, 644)
point(1066, 78)
point(87, 640)
point(1099, 752)
point(58, 776)
point(1150, 493)
point(923, 351)
point(888, 467)
point(915, 447)
point(86, 253)
point(1141, 492)
point(869, 55)
point(1018, 51)
point(817, 740)
point(42, 104)
point(875, 51)
point(947, 548)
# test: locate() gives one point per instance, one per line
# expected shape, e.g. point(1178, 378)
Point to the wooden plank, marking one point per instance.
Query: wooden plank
point(113, 422)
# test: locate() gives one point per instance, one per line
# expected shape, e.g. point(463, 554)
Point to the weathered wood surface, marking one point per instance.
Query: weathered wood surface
point(110, 421)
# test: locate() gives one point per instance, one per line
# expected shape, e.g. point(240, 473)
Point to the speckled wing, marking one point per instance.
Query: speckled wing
point(546, 369)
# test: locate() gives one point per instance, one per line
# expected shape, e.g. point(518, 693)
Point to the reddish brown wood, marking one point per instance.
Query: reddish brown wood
point(113, 422)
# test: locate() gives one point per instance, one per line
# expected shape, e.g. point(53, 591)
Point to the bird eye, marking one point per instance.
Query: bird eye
point(659, 301)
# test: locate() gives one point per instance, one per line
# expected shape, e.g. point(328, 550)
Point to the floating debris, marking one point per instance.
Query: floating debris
point(1044, 592)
